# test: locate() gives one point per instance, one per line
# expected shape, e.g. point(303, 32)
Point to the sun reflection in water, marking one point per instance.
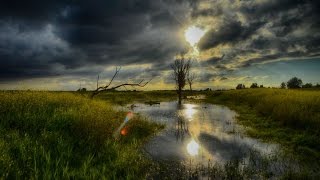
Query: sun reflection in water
point(193, 148)
point(189, 111)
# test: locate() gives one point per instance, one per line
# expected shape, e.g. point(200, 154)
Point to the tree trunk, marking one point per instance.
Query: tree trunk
point(180, 95)
point(190, 86)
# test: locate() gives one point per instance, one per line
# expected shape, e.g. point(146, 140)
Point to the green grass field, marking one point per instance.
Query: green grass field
point(62, 135)
point(288, 117)
point(126, 97)
point(55, 135)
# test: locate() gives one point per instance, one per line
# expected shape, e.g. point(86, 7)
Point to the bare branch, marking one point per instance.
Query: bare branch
point(107, 88)
point(140, 84)
point(114, 75)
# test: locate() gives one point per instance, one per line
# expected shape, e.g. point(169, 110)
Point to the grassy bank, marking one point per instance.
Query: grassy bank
point(62, 135)
point(259, 125)
point(288, 117)
point(126, 97)
point(47, 135)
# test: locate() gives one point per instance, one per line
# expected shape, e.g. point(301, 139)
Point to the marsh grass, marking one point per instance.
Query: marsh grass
point(127, 97)
point(289, 117)
point(295, 108)
point(255, 166)
point(61, 135)
point(55, 135)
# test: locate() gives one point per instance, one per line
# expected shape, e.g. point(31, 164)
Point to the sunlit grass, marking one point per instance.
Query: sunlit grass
point(289, 117)
point(61, 135)
point(126, 97)
point(296, 108)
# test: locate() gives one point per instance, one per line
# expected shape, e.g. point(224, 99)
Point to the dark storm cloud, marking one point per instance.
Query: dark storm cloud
point(31, 11)
point(214, 60)
point(123, 32)
point(271, 7)
point(206, 77)
point(264, 58)
point(29, 53)
point(274, 29)
point(230, 32)
point(261, 59)
point(207, 12)
point(86, 34)
point(83, 38)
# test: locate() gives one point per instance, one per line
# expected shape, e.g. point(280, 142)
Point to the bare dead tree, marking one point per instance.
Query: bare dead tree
point(181, 68)
point(190, 78)
point(107, 87)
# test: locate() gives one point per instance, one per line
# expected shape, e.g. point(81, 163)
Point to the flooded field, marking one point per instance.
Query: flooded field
point(199, 133)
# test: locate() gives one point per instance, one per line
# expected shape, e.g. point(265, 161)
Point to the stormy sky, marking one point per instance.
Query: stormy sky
point(60, 44)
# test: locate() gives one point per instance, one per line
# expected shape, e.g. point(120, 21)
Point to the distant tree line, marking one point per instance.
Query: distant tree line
point(253, 85)
point(240, 86)
point(82, 90)
point(293, 83)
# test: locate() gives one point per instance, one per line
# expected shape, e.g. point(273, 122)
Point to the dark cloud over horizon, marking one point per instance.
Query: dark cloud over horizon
point(57, 38)
point(41, 38)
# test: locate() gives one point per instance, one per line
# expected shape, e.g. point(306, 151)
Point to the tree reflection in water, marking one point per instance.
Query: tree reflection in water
point(181, 125)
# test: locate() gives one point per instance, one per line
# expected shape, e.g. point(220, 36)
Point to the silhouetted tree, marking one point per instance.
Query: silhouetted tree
point(283, 85)
point(240, 86)
point(190, 78)
point(294, 83)
point(307, 85)
point(261, 86)
point(181, 68)
point(254, 85)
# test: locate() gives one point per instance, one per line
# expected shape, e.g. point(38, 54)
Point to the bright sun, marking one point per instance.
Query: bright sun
point(193, 35)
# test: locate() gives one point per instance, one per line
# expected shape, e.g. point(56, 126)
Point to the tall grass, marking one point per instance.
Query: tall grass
point(288, 117)
point(47, 135)
point(125, 97)
point(255, 166)
point(295, 108)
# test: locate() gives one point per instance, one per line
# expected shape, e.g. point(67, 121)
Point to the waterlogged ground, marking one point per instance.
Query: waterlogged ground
point(199, 133)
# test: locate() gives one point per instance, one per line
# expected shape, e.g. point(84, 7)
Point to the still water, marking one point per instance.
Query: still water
point(198, 132)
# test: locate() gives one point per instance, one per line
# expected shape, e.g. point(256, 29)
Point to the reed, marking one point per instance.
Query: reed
point(59, 135)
